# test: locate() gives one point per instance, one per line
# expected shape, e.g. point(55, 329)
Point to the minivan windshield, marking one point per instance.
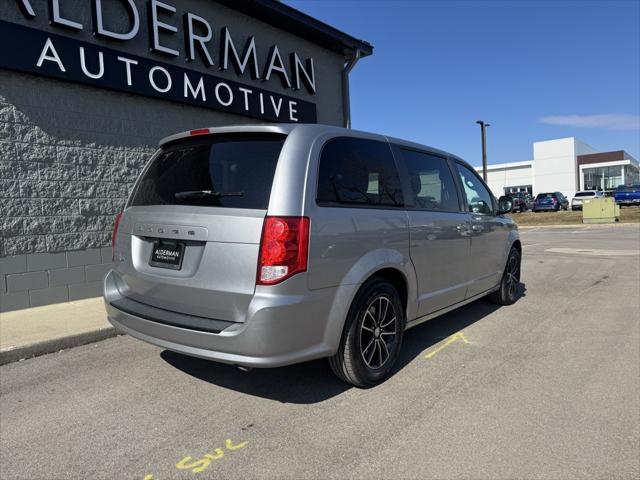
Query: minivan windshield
point(233, 170)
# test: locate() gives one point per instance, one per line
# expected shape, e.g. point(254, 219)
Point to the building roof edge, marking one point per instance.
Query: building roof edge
point(299, 23)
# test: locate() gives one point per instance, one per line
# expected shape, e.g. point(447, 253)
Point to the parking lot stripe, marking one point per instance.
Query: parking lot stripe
point(453, 338)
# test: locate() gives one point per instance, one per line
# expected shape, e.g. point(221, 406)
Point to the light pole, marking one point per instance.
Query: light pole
point(483, 130)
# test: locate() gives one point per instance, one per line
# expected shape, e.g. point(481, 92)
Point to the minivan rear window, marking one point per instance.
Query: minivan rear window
point(586, 194)
point(234, 171)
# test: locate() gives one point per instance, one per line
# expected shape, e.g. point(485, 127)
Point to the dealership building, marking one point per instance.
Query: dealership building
point(565, 165)
point(89, 87)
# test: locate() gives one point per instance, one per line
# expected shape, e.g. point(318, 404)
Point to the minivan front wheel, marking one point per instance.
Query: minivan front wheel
point(507, 294)
point(372, 335)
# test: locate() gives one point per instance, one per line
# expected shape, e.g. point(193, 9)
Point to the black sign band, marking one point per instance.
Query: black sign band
point(34, 51)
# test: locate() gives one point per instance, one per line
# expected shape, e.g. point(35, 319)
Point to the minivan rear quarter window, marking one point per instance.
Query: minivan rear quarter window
point(356, 171)
point(234, 171)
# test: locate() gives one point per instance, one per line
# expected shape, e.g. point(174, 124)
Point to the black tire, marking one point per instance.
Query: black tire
point(508, 293)
point(368, 324)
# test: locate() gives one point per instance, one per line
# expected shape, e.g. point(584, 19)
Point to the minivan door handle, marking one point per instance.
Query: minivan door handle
point(477, 224)
point(463, 229)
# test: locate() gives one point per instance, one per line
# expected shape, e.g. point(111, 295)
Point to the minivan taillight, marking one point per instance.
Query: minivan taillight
point(116, 224)
point(283, 249)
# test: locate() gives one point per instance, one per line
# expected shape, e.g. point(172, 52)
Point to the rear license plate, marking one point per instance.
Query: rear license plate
point(167, 255)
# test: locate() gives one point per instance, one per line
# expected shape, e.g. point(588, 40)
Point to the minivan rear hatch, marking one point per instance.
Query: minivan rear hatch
point(188, 240)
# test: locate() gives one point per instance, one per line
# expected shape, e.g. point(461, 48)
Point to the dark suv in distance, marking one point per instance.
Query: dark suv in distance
point(522, 201)
point(554, 201)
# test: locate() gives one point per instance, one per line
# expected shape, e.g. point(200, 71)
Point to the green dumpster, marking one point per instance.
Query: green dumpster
point(600, 210)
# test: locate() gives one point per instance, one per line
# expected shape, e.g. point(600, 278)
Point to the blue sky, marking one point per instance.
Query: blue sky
point(535, 70)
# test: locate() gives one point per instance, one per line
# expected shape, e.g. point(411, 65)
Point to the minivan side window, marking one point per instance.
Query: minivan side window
point(479, 199)
point(357, 171)
point(432, 185)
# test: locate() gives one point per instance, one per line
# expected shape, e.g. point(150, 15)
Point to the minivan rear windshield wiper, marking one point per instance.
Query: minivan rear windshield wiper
point(189, 194)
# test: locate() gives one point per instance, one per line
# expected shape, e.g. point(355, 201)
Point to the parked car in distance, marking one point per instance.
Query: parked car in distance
point(554, 201)
point(627, 195)
point(584, 197)
point(262, 246)
point(522, 201)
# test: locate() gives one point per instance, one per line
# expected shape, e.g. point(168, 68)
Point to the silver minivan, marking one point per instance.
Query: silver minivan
point(262, 246)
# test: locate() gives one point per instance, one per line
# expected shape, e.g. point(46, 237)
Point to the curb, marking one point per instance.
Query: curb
point(22, 352)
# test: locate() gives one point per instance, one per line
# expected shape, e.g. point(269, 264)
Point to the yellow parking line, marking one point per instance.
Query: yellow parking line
point(452, 339)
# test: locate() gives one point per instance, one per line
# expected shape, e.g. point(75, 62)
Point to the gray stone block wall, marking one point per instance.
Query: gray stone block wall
point(61, 185)
point(59, 191)
point(35, 279)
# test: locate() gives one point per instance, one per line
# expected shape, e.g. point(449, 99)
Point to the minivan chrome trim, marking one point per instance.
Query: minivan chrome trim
point(179, 232)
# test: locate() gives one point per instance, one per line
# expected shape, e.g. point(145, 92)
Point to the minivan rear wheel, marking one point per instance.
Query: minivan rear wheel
point(372, 335)
point(507, 294)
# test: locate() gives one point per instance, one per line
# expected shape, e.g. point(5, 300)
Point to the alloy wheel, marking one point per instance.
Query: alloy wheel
point(378, 332)
point(513, 276)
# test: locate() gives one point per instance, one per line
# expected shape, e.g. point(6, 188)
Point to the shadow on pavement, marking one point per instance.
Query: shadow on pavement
point(314, 382)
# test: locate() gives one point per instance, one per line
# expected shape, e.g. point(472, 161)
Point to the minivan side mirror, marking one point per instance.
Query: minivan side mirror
point(505, 205)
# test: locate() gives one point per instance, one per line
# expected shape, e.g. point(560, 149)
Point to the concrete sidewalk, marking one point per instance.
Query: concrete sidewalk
point(40, 330)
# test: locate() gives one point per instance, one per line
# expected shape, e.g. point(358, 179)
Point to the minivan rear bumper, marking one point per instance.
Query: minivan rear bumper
point(280, 329)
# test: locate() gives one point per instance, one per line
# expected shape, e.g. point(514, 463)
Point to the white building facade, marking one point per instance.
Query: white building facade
point(565, 165)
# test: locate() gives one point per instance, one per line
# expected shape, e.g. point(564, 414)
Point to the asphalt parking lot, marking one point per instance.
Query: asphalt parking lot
point(546, 388)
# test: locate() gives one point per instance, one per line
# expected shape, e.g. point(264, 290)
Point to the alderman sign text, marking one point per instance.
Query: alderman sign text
point(35, 51)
